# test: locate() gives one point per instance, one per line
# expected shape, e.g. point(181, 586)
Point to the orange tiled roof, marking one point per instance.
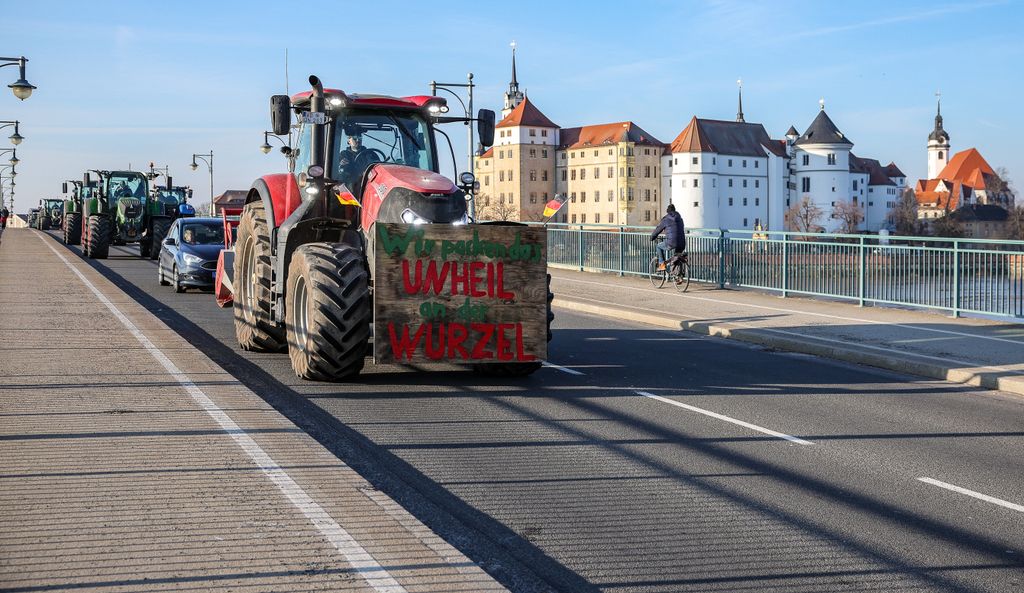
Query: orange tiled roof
point(692, 139)
point(526, 114)
point(613, 133)
point(969, 167)
point(941, 193)
point(487, 154)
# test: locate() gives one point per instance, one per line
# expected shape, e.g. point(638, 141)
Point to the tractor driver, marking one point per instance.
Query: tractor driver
point(123, 191)
point(354, 160)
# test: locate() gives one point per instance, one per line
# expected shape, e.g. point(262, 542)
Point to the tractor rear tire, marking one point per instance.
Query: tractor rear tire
point(144, 248)
point(255, 328)
point(97, 245)
point(44, 224)
point(73, 228)
point(160, 228)
point(328, 311)
point(518, 369)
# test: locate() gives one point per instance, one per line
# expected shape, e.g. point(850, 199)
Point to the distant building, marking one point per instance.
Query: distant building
point(232, 198)
point(982, 221)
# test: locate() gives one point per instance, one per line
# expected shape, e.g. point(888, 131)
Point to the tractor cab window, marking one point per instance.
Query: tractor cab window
point(202, 234)
point(171, 196)
point(120, 186)
point(364, 137)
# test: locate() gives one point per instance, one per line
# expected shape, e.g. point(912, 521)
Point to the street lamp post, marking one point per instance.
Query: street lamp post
point(21, 88)
point(209, 164)
point(266, 147)
point(15, 138)
point(14, 160)
point(447, 87)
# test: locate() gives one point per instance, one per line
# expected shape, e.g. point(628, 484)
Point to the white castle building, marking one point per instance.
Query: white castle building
point(733, 175)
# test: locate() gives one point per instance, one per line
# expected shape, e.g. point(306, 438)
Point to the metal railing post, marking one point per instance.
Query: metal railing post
point(579, 246)
point(785, 265)
point(721, 258)
point(622, 251)
point(956, 279)
point(861, 276)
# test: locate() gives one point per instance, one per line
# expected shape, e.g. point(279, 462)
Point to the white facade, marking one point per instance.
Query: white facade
point(822, 172)
point(526, 135)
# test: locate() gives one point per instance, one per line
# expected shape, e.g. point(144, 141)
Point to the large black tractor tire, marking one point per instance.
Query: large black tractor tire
point(160, 228)
point(98, 244)
point(44, 223)
point(255, 328)
point(328, 311)
point(518, 369)
point(72, 228)
point(145, 248)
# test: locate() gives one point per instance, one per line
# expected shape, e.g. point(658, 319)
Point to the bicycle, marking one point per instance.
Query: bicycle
point(677, 269)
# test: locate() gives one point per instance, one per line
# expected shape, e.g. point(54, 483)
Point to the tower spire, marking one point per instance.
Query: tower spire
point(739, 108)
point(513, 96)
point(514, 84)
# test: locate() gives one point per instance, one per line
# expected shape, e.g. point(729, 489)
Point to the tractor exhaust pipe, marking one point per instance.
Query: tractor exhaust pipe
point(316, 105)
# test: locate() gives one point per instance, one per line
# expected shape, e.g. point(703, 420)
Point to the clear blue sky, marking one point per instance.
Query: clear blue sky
point(121, 84)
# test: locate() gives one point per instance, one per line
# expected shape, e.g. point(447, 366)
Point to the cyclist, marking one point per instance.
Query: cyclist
point(675, 236)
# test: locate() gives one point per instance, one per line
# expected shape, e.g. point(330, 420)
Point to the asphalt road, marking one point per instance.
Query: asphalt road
point(658, 461)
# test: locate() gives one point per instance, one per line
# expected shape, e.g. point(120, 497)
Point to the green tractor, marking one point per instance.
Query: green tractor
point(80, 191)
point(33, 217)
point(115, 214)
point(165, 205)
point(51, 212)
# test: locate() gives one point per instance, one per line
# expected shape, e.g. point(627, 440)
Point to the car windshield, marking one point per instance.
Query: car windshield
point(364, 136)
point(169, 196)
point(127, 186)
point(202, 234)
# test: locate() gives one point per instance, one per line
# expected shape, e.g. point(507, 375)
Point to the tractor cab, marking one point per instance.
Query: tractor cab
point(174, 201)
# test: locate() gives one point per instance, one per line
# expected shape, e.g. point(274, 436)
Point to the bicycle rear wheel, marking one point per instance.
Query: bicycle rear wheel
point(658, 278)
point(682, 280)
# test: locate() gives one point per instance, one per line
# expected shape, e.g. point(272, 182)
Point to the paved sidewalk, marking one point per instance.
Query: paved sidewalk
point(972, 351)
point(131, 462)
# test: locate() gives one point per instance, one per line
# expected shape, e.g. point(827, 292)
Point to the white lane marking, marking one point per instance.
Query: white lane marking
point(362, 561)
point(755, 427)
point(797, 312)
point(978, 495)
point(942, 359)
point(563, 369)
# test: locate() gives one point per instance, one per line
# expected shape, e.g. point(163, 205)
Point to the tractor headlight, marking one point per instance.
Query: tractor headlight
point(188, 258)
point(461, 221)
point(411, 217)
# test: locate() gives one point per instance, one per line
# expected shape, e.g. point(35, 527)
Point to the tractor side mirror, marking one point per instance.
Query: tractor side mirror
point(64, 187)
point(485, 126)
point(281, 114)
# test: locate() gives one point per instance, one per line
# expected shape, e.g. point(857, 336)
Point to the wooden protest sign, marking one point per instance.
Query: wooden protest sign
point(462, 294)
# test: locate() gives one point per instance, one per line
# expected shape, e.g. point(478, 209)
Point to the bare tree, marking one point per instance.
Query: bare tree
point(999, 189)
point(903, 217)
point(947, 226)
point(849, 215)
point(803, 216)
point(487, 209)
point(1014, 228)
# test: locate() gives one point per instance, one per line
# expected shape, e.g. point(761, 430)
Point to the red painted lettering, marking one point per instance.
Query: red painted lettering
point(432, 352)
point(474, 279)
point(502, 293)
point(480, 351)
point(433, 282)
point(504, 347)
point(402, 345)
point(460, 276)
point(457, 334)
point(520, 354)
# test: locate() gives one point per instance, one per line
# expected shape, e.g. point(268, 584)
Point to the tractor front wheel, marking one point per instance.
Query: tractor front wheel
point(255, 328)
point(160, 228)
point(328, 311)
point(98, 244)
point(73, 228)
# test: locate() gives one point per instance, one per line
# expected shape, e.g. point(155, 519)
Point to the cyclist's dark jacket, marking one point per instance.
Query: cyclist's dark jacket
point(675, 233)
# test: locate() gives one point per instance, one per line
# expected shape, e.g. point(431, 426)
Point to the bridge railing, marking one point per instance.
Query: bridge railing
point(954, 275)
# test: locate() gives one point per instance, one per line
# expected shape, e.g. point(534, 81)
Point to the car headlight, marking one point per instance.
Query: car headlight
point(411, 217)
point(188, 258)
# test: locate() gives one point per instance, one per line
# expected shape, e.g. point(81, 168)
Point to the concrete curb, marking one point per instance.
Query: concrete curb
point(985, 377)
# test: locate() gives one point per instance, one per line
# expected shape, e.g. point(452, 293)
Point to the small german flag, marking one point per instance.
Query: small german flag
point(347, 199)
point(554, 205)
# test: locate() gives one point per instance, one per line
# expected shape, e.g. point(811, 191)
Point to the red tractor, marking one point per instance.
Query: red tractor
point(301, 269)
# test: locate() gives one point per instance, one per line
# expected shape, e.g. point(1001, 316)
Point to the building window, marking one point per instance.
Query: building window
point(696, 204)
point(533, 153)
point(611, 195)
point(757, 183)
point(543, 133)
point(854, 185)
point(533, 197)
point(730, 201)
point(694, 160)
point(696, 183)
point(714, 182)
point(572, 197)
point(872, 204)
point(533, 132)
point(744, 203)
point(574, 218)
point(544, 153)
point(563, 156)
point(647, 195)
point(583, 218)
point(757, 201)
point(807, 160)
point(670, 162)
point(595, 153)
point(597, 172)
point(805, 184)
point(573, 176)
point(611, 217)
point(510, 174)
point(744, 163)
point(611, 172)
point(501, 175)
point(487, 179)
point(940, 155)
point(563, 174)
point(682, 183)
point(831, 158)
point(502, 197)
point(647, 171)
point(533, 175)
point(757, 164)
point(730, 183)
point(730, 162)
point(647, 216)
point(744, 222)
point(544, 175)
point(583, 173)
point(629, 172)
point(583, 196)
point(629, 194)
point(597, 218)
point(714, 160)
point(611, 152)
point(744, 183)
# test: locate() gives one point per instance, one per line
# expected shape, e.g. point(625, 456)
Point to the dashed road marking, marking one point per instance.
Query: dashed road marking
point(972, 493)
point(725, 418)
point(563, 369)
